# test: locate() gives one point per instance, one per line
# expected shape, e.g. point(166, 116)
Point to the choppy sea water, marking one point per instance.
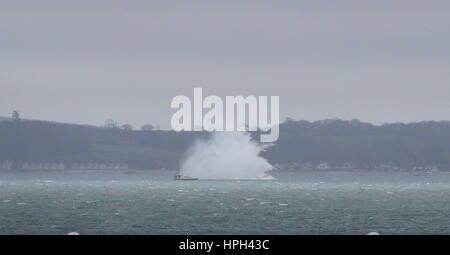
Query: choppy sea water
point(154, 203)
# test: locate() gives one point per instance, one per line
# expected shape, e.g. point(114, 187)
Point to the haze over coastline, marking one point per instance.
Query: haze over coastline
point(331, 144)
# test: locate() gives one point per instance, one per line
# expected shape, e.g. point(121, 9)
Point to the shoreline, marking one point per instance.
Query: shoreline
point(130, 171)
point(273, 173)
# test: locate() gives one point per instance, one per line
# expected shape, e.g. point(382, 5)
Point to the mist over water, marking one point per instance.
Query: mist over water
point(227, 155)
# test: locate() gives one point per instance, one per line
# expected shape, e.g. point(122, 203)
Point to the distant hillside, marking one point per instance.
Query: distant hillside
point(42, 141)
point(354, 144)
point(302, 145)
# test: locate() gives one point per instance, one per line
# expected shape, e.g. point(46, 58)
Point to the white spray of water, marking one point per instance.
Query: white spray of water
point(227, 155)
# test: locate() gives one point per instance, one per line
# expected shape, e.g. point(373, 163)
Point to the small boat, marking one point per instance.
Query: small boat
point(184, 178)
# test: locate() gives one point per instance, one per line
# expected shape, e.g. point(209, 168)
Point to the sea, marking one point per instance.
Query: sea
point(152, 202)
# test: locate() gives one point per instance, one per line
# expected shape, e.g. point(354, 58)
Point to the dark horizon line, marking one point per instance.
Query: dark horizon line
point(286, 120)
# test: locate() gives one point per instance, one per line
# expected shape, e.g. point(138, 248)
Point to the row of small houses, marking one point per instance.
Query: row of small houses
point(310, 166)
point(7, 164)
point(75, 166)
point(348, 166)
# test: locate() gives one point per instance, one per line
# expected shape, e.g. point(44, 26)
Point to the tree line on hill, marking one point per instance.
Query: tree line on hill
point(336, 144)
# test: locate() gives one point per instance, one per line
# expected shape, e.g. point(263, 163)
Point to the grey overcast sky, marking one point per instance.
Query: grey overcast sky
point(86, 61)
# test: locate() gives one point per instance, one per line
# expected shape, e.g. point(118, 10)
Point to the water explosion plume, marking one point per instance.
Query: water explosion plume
point(227, 155)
